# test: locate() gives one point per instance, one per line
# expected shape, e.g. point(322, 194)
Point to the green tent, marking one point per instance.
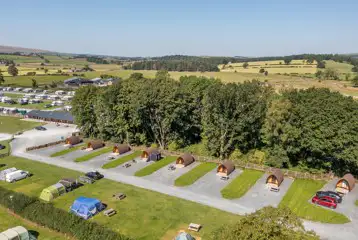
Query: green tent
point(52, 192)
point(16, 233)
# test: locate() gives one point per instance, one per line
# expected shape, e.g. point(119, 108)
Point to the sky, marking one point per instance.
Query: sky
point(188, 27)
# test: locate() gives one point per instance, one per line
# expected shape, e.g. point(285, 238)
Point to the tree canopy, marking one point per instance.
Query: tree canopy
point(12, 70)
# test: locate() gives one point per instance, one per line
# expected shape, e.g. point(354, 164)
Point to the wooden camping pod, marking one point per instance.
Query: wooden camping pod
point(275, 178)
point(185, 159)
point(151, 154)
point(73, 140)
point(226, 168)
point(121, 148)
point(345, 184)
point(95, 144)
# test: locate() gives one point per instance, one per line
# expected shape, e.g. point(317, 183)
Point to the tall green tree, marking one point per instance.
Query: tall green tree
point(232, 116)
point(266, 224)
point(83, 109)
point(12, 70)
point(355, 81)
point(245, 65)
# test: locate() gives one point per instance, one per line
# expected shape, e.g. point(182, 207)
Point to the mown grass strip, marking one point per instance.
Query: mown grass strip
point(119, 161)
point(240, 185)
point(65, 151)
point(194, 174)
point(356, 203)
point(6, 150)
point(297, 199)
point(93, 154)
point(155, 166)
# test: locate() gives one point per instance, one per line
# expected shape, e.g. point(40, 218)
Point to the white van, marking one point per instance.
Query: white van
point(16, 176)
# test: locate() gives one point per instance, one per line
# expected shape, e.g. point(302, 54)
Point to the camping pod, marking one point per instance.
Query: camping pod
point(16, 233)
point(121, 148)
point(184, 160)
point(73, 140)
point(52, 192)
point(93, 145)
point(275, 179)
point(345, 184)
point(86, 207)
point(151, 154)
point(225, 168)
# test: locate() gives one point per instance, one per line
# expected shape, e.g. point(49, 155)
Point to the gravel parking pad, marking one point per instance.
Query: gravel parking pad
point(347, 207)
point(139, 164)
point(259, 196)
point(211, 184)
point(168, 177)
point(99, 161)
point(49, 150)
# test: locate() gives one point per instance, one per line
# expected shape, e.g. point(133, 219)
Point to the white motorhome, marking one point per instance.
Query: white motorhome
point(53, 97)
point(41, 96)
point(16, 176)
point(57, 103)
point(27, 90)
point(29, 95)
point(67, 98)
point(60, 92)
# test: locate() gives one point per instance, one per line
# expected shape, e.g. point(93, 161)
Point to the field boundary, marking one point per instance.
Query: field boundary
point(44, 145)
point(286, 172)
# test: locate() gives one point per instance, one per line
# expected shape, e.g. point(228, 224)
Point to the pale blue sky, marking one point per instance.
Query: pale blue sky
point(195, 27)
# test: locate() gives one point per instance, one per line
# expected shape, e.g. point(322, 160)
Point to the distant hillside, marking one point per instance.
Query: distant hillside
point(11, 49)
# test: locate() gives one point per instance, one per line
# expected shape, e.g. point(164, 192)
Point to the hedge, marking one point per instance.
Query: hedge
point(45, 214)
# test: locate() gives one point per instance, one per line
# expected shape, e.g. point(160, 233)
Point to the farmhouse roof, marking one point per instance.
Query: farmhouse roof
point(57, 115)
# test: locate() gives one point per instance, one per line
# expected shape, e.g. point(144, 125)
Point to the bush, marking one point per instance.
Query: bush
point(56, 219)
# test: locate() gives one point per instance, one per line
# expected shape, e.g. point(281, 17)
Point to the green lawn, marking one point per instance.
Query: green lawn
point(26, 81)
point(143, 215)
point(37, 106)
point(194, 174)
point(68, 150)
point(14, 124)
point(121, 160)
point(155, 166)
point(298, 198)
point(240, 185)
point(7, 147)
point(9, 221)
point(93, 154)
point(356, 203)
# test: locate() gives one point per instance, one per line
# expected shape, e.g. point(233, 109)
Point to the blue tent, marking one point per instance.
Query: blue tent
point(86, 207)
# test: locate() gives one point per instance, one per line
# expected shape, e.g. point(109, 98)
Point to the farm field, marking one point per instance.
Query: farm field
point(160, 213)
point(9, 221)
point(14, 124)
point(298, 199)
point(93, 154)
point(26, 81)
point(194, 174)
point(340, 67)
point(121, 160)
point(66, 151)
point(240, 185)
point(155, 166)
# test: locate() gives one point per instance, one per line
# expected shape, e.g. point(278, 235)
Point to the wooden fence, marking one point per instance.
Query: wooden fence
point(45, 145)
point(287, 173)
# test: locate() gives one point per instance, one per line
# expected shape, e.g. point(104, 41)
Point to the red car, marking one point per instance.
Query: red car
point(325, 201)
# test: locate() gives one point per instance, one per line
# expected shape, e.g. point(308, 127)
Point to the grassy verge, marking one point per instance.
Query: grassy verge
point(6, 143)
point(194, 174)
point(119, 161)
point(155, 166)
point(93, 154)
point(65, 151)
point(160, 213)
point(15, 124)
point(297, 199)
point(240, 185)
point(9, 220)
point(356, 203)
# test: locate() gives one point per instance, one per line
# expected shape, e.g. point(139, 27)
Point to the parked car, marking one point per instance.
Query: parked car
point(95, 175)
point(85, 179)
point(325, 201)
point(110, 157)
point(48, 105)
point(171, 167)
point(330, 194)
point(225, 178)
point(2, 147)
point(16, 176)
point(40, 128)
point(127, 165)
point(69, 183)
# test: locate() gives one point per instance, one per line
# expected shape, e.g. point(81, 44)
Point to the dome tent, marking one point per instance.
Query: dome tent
point(184, 236)
point(86, 207)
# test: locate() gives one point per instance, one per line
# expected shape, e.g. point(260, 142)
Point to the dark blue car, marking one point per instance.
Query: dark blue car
point(94, 175)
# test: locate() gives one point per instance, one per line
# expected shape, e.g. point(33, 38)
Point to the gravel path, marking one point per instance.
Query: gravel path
point(32, 137)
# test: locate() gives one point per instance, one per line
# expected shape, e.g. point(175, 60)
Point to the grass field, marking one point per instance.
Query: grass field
point(155, 166)
point(7, 147)
point(93, 154)
point(194, 174)
point(8, 220)
point(240, 185)
point(26, 81)
point(143, 215)
point(38, 106)
point(66, 151)
point(340, 67)
point(298, 199)
point(121, 160)
point(14, 124)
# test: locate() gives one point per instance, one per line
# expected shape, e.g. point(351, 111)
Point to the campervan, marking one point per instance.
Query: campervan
point(16, 176)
